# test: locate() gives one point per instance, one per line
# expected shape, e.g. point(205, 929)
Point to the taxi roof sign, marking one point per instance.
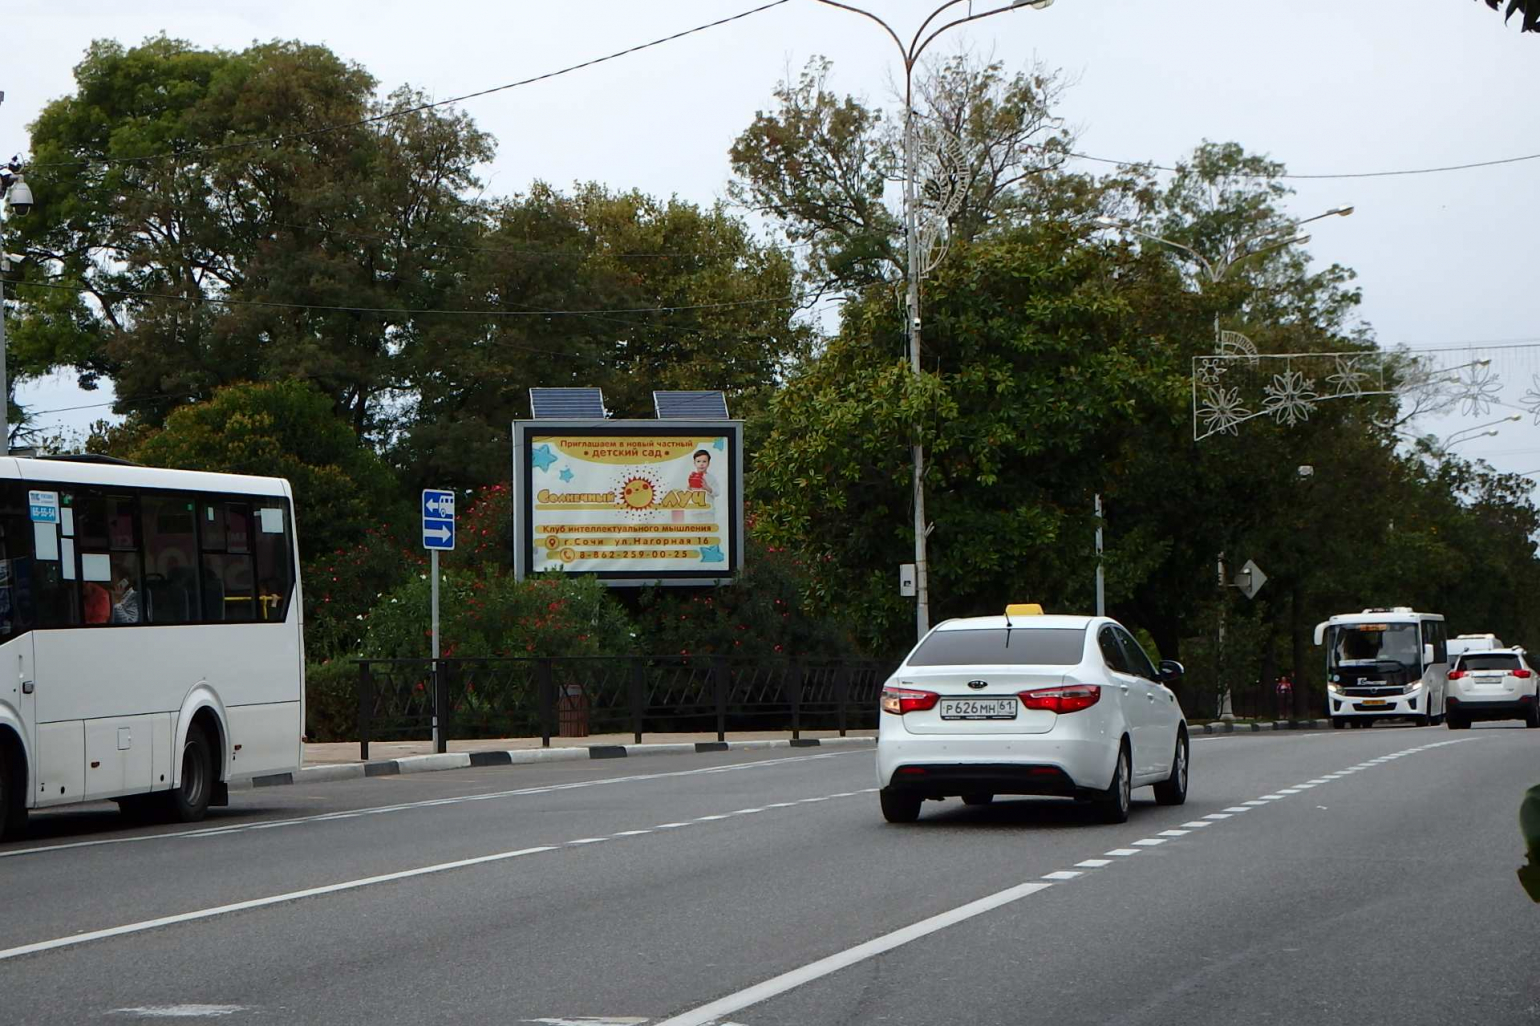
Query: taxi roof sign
point(1024, 609)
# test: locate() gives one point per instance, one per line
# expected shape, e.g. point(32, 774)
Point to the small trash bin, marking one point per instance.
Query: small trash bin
point(571, 711)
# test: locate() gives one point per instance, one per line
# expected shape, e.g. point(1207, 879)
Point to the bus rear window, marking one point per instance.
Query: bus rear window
point(1489, 662)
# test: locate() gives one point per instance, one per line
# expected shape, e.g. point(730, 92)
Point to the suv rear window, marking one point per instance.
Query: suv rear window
point(1017, 646)
point(1489, 662)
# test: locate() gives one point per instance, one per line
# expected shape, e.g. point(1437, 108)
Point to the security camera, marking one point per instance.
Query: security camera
point(18, 198)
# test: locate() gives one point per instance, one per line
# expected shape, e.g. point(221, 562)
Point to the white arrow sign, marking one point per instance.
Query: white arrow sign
point(440, 506)
point(440, 533)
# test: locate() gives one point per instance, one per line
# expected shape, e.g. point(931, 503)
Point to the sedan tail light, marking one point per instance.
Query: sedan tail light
point(906, 700)
point(1067, 699)
point(1522, 673)
point(1456, 674)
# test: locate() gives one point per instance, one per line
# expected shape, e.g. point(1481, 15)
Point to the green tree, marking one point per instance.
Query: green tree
point(205, 221)
point(282, 429)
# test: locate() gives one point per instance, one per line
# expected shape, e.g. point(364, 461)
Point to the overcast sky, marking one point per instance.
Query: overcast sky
point(1326, 86)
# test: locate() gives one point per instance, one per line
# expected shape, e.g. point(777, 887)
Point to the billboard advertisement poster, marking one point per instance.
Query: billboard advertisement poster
point(629, 501)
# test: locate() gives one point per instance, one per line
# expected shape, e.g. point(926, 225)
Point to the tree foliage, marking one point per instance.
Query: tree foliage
point(282, 429)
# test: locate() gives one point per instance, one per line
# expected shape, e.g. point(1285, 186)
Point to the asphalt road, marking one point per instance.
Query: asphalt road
point(1335, 877)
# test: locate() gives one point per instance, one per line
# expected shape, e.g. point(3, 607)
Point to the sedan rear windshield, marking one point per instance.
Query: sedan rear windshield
point(1014, 646)
point(1489, 662)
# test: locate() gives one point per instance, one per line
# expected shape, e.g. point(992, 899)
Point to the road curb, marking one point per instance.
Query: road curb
point(1247, 728)
point(408, 764)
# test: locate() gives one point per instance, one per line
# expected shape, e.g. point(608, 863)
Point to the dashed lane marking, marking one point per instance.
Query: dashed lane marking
point(328, 817)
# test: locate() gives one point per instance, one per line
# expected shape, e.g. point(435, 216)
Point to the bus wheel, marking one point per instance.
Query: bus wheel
point(190, 800)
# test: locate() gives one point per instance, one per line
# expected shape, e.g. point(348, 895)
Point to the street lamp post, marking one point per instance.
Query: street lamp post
point(14, 194)
point(910, 54)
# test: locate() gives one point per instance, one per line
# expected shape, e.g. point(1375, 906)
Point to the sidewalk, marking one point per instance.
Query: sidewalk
point(332, 753)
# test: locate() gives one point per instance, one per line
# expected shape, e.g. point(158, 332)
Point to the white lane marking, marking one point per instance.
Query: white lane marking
point(1239, 808)
point(850, 956)
point(631, 833)
point(1196, 824)
point(1174, 833)
point(780, 805)
point(594, 1020)
point(708, 819)
point(1304, 787)
point(180, 1011)
point(1150, 842)
point(1217, 815)
point(328, 817)
point(1123, 852)
point(1094, 863)
point(1061, 874)
point(1318, 780)
point(1289, 790)
point(750, 812)
point(272, 899)
point(669, 826)
point(1270, 797)
point(309, 892)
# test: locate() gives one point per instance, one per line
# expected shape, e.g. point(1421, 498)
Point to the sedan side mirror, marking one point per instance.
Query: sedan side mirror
point(1170, 671)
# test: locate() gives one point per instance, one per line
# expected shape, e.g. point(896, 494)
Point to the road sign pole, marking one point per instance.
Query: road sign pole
point(433, 590)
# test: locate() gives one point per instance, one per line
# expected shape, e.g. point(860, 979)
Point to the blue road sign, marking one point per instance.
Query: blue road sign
point(438, 519)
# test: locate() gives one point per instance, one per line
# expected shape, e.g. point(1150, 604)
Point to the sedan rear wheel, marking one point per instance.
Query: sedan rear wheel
point(1119, 798)
point(1457, 722)
point(1173, 790)
point(899, 806)
point(1532, 717)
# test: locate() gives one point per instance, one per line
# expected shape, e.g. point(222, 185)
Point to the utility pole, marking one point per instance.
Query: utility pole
point(1101, 584)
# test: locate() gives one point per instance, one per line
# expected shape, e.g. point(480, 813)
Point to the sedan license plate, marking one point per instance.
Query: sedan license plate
point(1375, 701)
point(979, 708)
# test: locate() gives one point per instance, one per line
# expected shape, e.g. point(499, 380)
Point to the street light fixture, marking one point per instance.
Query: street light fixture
point(911, 56)
point(1454, 438)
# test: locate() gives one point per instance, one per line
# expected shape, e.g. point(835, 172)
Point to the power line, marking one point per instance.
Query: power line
point(81, 287)
point(274, 140)
point(1318, 177)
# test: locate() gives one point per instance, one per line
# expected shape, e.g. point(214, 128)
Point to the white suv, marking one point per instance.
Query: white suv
point(1030, 704)
point(1494, 685)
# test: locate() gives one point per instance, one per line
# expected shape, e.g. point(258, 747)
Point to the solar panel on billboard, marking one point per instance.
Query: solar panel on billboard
point(690, 405)
point(566, 403)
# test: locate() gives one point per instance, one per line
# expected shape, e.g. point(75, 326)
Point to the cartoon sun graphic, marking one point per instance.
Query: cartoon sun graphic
point(637, 493)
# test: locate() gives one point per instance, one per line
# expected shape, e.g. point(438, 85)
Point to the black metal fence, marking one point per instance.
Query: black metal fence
point(399, 699)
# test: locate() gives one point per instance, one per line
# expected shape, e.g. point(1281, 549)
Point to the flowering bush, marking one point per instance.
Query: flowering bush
point(342, 586)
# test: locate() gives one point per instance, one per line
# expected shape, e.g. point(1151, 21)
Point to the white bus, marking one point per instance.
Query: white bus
point(1385, 664)
point(150, 645)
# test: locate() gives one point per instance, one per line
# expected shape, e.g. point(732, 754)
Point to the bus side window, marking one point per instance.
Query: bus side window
point(171, 559)
point(275, 579)
point(229, 584)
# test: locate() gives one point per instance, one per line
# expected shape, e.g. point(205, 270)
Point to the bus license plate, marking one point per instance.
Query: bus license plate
point(1375, 701)
point(979, 708)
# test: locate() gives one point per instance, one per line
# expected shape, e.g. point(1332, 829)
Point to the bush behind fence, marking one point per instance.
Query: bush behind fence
point(582, 695)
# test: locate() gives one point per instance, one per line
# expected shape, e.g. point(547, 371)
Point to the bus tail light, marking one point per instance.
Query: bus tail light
point(906, 700)
point(1068, 699)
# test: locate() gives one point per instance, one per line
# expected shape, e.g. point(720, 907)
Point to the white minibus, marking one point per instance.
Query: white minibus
point(150, 635)
point(1385, 664)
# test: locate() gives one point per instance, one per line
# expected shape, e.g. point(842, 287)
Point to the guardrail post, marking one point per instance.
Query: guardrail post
point(638, 687)
point(794, 675)
point(842, 692)
point(721, 675)
point(365, 709)
point(544, 689)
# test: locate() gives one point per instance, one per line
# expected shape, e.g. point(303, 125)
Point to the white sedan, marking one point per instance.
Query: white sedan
point(1034, 705)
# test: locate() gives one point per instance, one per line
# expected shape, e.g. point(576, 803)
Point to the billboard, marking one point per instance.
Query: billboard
point(630, 502)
